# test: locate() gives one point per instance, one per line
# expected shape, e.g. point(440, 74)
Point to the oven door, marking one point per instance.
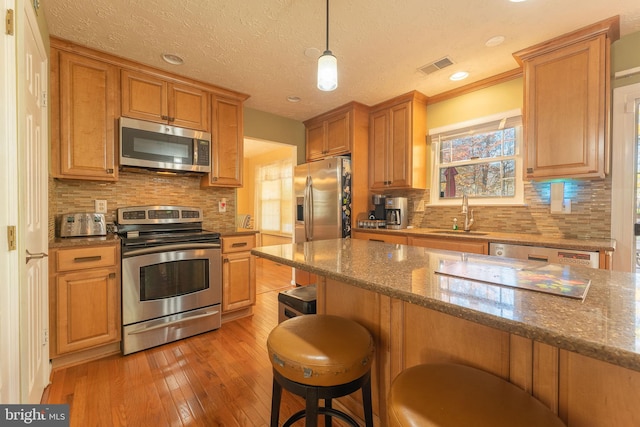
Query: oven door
point(166, 280)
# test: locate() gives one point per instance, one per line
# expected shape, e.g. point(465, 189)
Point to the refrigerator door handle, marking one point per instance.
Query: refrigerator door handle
point(308, 222)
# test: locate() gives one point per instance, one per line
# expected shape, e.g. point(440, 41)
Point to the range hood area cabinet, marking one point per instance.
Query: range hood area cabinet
point(398, 155)
point(83, 99)
point(146, 97)
point(567, 101)
point(91, 89)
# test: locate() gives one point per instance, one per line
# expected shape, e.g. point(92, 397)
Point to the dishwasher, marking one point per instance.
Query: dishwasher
point(551, 255)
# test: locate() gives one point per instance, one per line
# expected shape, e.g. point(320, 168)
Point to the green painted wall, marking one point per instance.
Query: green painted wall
point(625, 54)
point(267, 126)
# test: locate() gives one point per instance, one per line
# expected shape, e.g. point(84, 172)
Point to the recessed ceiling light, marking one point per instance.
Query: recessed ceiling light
point(494, 41)
point(460, 75)
point(293, 99)
point(172, 59)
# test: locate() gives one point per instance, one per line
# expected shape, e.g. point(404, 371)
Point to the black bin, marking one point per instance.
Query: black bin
point(296, 302)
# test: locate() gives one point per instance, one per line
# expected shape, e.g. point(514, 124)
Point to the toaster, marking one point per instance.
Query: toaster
point(82, 224)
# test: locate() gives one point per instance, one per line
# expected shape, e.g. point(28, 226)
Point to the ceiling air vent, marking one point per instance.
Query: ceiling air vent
point(436, 65)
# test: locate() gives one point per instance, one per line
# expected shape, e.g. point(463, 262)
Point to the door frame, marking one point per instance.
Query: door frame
point(623, 158)
point(9, 260)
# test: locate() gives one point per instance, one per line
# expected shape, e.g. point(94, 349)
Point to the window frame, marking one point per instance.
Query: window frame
point(516, 200)
point(284, 182)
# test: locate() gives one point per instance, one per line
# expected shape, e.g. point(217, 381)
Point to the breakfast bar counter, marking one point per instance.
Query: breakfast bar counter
point(579, 354)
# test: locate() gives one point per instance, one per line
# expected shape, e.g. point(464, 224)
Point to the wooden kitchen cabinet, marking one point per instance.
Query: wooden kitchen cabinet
point(238, 273)
point(567, 103)
point(84, 94)
point(379, 237)
point(460, 245)
point(227, 139)
point(328, 135)
point(147, 97)
point(84, 300)
point(398, 155)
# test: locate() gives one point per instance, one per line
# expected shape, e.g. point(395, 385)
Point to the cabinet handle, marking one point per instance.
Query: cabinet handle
point(529, 170)
point(225, 259)
point(87, 258)
point(214, 178)
point(376, 240)
point(164, 117)
point(112, 275)
point(172, 119)
point(109, 171)
point(238, 245)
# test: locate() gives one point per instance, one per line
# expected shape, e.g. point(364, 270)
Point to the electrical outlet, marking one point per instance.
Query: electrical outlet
point(222, 205)
point(100, 206)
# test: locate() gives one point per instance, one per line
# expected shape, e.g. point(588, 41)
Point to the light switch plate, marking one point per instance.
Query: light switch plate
point(100, 206)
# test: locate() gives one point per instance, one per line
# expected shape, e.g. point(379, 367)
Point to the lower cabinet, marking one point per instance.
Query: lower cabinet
point(84, 299)
point(377, 237)
point(460, 245)
point(238, 274)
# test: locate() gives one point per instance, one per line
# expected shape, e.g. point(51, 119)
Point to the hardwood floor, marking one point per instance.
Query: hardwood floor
point(221, 378)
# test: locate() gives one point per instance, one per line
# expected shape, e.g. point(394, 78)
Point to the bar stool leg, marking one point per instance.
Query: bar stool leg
point(327, 419)
point(312, 407)
point(275, 403)
point(366, 402)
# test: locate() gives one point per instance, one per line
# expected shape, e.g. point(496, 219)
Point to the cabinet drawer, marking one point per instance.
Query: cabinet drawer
point(84, 258)
point(238, 243)
point(379, 237)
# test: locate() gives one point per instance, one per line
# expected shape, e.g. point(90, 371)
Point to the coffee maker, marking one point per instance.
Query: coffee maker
point(396, 212)
point(379, 208)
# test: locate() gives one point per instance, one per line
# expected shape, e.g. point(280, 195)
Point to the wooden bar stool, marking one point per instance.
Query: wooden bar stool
point(446, 395)
point(320, 357)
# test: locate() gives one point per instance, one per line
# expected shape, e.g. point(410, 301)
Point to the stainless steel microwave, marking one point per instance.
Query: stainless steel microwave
point(163, 147)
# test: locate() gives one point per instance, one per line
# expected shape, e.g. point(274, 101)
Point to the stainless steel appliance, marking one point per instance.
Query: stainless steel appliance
point(552, 255)
point(171, 275)
point(322, 192)
point(396, 211)
point(163, 147)
point(379, 207)
point(82, 224)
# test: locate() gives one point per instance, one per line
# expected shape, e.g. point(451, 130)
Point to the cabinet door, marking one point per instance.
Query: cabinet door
point(144, 97)
point(378, 157)
point(238, 281)
point(469, 246)
point(227, 144)
point(85, 147)
point(399, 152)
point(566, 111)
point(315, 141)
point(88, 309)
point(188, 107)
point(338, 141)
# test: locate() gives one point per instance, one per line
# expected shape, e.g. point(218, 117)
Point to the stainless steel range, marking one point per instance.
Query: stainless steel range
point(171, 275)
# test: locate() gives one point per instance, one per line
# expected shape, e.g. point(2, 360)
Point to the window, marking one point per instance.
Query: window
point(480, 158)
point(274, 191)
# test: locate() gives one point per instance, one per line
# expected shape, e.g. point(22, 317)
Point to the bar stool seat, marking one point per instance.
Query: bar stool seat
point(320, 357)
point(448, 395)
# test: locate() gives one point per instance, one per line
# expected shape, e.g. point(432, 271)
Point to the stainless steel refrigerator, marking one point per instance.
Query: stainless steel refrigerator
point(322, 192)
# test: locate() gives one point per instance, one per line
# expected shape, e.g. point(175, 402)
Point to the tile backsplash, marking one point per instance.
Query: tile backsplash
point(590, 216)
point(142, 188)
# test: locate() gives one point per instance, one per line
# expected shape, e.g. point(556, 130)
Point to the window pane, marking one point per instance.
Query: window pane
point(483, 145)
point(478, 180)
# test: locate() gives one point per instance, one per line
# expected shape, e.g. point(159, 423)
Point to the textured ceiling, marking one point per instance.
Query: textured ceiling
point(258, 47)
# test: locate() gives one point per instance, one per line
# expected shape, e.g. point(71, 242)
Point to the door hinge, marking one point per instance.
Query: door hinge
point(9, 22)
point(11, 237)
point(44, 98)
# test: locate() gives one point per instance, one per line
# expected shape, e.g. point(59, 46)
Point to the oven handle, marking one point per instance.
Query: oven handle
point(170, 248)
point(175, 322)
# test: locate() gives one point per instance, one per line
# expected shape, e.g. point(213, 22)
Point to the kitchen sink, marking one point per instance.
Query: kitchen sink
point(461, 232)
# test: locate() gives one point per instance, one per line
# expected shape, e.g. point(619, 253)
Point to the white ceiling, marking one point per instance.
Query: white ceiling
point(258, 47)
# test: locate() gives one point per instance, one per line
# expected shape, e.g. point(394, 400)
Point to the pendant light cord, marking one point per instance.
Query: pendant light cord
point(327, 25)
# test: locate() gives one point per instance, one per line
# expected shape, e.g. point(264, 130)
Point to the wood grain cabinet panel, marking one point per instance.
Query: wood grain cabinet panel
point(84, 99)
point(379, 237)
point(238, 273)
point(460, 245)
point(398, 154)
point(329, 134)
point(147, 97)
point(567, 103)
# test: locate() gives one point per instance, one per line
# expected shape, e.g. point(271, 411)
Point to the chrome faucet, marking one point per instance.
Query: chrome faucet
point(468, 219)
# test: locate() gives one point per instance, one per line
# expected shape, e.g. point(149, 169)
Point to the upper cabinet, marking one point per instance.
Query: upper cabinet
point(147, 97)
point(84, 99)
point(329, 134)
point(567, 103)
point(227, 139)
point(398, 155)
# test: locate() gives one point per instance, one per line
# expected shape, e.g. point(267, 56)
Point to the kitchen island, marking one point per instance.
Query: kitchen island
point(580, 357)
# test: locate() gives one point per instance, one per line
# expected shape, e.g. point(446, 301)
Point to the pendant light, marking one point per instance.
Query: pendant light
point(327, 66)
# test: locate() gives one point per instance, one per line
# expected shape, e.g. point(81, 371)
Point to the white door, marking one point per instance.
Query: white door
point(33, 176)
point(625, 193)
point(9, 295)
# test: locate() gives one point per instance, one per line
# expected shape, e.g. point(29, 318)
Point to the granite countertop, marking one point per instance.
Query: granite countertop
point(606, 245)
point(605, 325)
point(70, 242)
